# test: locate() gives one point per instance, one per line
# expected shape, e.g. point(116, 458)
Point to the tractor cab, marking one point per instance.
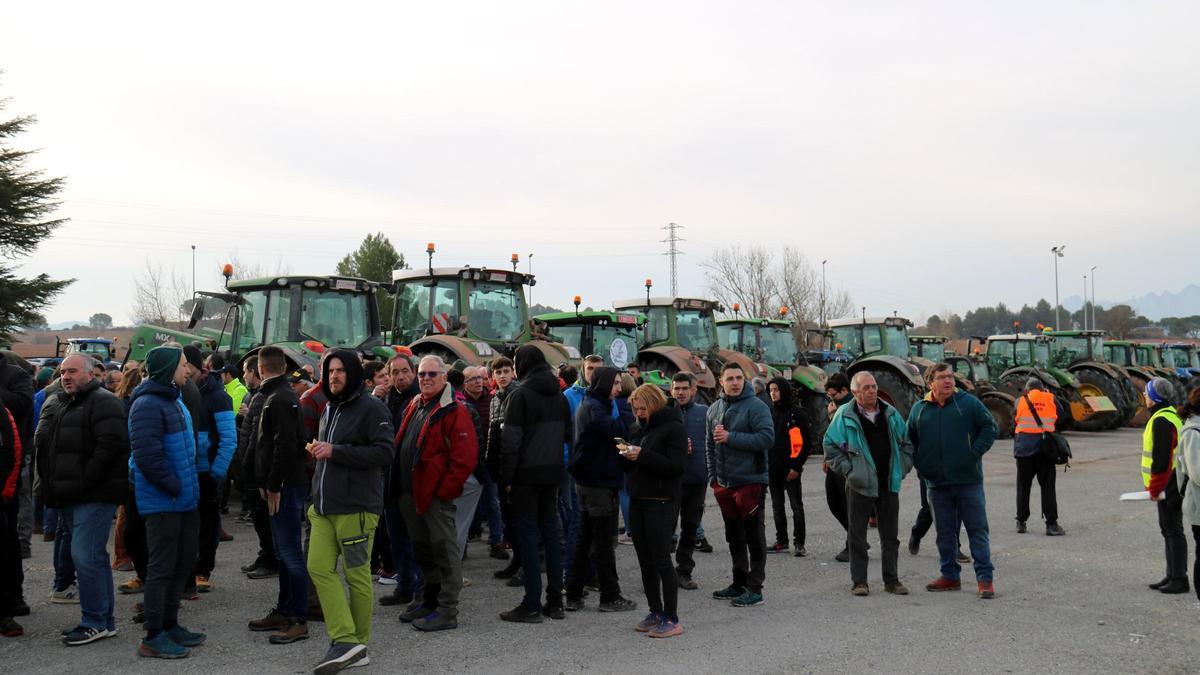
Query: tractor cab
point(769, 341)
point(1069, 347)
point(101, 349)
point(684, 322)
point(1183, 358)
point(613, 336)
point(872, 337)
point(931, 348)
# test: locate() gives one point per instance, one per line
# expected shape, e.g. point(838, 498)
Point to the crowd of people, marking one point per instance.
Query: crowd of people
point(559, 466)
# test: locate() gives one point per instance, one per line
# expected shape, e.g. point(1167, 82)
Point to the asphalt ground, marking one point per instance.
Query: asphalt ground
point(1077, 603)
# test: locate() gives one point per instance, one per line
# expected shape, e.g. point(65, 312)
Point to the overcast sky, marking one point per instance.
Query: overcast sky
point(932, 152)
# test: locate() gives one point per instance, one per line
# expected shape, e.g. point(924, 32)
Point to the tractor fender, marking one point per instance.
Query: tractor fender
point(460, 348)
point(888, 362)
point(1107, 368)
point(1026, 372)
point(749, 366)
point(683, 361)
point(296, 359)
point(810, 378)
point(998, 395)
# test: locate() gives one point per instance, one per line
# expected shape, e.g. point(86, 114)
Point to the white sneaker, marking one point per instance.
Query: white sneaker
point(67, 596)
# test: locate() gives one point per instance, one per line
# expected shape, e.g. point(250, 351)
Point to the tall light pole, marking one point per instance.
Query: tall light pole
point(1085, 302)
point(1093, 297)
point(823, 292)
point(193, 269)
point(1057, 252)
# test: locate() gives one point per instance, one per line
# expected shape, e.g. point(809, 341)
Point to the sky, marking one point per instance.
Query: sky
point(931, 152)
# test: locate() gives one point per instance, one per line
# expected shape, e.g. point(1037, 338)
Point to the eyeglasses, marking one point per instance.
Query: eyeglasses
point(429, 374)
point(474, 379)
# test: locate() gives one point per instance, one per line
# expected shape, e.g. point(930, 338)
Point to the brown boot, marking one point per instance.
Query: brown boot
point(271, 622)
point(294, 632)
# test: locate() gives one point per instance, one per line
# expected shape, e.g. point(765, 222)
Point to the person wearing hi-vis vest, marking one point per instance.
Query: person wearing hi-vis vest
point(1037, 414)
point(867, 443)
point(1159, 440)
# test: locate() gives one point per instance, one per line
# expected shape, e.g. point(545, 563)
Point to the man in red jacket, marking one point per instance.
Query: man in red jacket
point(436, 450)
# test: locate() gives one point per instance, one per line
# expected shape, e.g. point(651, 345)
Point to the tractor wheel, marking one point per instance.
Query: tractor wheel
point(1095, 383)
point(1003, 412)
point(896, 391)
point(1142, 414)
point(814, 405)
point(1133, 400)
point(1066, 422)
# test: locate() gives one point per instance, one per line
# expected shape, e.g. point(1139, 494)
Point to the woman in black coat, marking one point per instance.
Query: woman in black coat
point(655, 466)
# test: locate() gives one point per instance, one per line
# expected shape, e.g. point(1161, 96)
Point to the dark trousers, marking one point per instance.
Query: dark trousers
point(535, 514)
point(1196, 565)
point(598, 509)
point(783, 493)
point(1041, 467)
point(287, 531)
point(11, 575)
point(742, 511)
point(172, 540)
point(691, 512)
point(404, 559)
point(135, 536)
point(262, 528)
point(210, 525)
point(835, 496)
point(435, 542)
point(887, 510)
point(653, 525)
point(925, 516)
point(1170, 523)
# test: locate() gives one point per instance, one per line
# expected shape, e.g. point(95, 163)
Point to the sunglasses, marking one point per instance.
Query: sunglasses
point(430, 374)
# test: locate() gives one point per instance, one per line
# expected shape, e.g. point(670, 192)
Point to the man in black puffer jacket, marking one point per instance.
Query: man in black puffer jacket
point(83, 461)
point(595, 464)
point(536, 425)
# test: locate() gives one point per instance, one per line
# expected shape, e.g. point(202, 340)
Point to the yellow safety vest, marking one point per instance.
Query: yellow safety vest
point(1043, 402)
point(1148, 441)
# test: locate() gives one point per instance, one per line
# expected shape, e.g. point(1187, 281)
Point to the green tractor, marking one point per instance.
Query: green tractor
point(1183, 358)
point(971, 374)
point(680, 335)
point(1127, 355)
point(880, 346)
point(303, 315)
point(1082, 352)
point(1021, 356)
point(771, 344)
point(1150, 356)
point(473, 314)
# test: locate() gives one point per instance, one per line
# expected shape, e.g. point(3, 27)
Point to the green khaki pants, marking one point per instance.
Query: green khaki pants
point(349, 536)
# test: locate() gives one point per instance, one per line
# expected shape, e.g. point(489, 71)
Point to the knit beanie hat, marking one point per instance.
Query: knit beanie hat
point(161, 363)
point(1159, 390)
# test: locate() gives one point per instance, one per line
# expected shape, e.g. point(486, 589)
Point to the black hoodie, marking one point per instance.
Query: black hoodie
point(537, 424)
point(594, 458)
point(787, 416)
point(360, 430)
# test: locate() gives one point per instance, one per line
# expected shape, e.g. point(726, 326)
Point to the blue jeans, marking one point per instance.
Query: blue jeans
point(568, 511)
point(287, 538)
point(408, 574)
point(489, 508)
point(49, 519)
point(961, 505)
point(64, 567)
point(89, 525)
point(624, 496)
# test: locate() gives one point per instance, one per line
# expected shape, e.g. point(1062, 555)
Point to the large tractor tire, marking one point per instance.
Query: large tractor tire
point(1134, 403)
point(816, 413)
point(1003, 411)
point(896, 390)
point(1095, 383)
point(1142, 414)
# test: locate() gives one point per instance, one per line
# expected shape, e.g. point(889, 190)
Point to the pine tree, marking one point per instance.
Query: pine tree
point(374, 260)
point(27, 204)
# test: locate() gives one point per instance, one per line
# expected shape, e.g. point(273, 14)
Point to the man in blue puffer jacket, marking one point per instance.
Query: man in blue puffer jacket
point(163, 466)
point(216, 441)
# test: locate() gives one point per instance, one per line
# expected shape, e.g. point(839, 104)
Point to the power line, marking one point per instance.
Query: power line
point(673, 253)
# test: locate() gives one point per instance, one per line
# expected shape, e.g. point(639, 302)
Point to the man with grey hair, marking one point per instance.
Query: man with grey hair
point(867, 443)
point(436, 451)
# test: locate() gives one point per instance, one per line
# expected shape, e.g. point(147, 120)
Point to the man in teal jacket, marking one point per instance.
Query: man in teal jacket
point(867, 444)
point(951, 431)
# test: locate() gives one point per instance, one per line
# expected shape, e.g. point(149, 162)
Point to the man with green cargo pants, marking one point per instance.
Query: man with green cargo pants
point(352, 449)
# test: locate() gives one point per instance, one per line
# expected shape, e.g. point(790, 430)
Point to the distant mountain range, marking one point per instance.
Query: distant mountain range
point(1153, 306)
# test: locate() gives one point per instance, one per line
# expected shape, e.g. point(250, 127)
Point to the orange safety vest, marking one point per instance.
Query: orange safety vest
point(796, 439)
point(1043, 402)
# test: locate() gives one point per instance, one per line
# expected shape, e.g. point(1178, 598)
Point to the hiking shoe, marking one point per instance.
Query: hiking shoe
point(262, 572)
point(497, 551)
point(396, 598)
point(203, 585)
point(986, 590)
point(184, 637)
point(1021, 527)
point(777, 547)
point(162, 647)
point(388, 579)
point(801, 552)
point(67, 596)
point(555, 612)
point(963, 558)
point(687, 583)
point(618, 605)
point(1160, 583)
point(273, 621)
point(1054, 530)
point(522, 614)
point(703, 546)
point(1176, 586)
point(666, 629)
point(575, 605)
point(82, 635)
point(895, 588)
point(339, 657)
point(914, 546)
point(435, 621)
point(132, 587)
point(747, 599)
point(860, 590)
point(10, 628)
point(844, 556)
point(649, 623)
point(943, 584)
point(295, 631)
point(415, 610)
point(257, 562)
point(729, 592)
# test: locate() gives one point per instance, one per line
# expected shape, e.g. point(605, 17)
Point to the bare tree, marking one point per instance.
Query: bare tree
point(160, 296)
point(762, 282)
point(255, 270)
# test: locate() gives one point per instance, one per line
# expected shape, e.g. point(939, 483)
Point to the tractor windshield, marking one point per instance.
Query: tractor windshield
point(897, 341)
point(571, 336)
point(860, 339)
point(617, 344)
point(1069, 349)
point(1118, 354)
point(731, 336)
point(95, 349)
point(1147, 356)
point(696, 329)
point(335, 319)
point(251, 321)
point(1181, 357)
point(779, 345)
point(1000, 355)
point(496, 310)
point(934, 351)
point(412, 313)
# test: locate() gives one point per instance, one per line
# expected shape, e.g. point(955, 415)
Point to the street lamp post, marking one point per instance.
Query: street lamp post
point(1093, 297)
point(1085, 302)
point(1057, 252)
point(823, 292)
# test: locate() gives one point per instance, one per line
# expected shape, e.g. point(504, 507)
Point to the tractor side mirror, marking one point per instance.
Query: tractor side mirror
point(197, 313)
